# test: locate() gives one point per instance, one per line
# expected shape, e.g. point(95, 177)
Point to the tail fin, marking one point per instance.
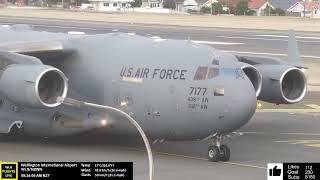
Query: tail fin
point(293, 51)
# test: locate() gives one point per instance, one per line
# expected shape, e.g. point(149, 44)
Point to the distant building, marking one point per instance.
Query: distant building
point(152, 4)
point(3, 3)
point(179, 5)
point(192, 5)
point(229, 3)
point(283, 4)
point(310, 9)
point(110, 5)
point(20, 3)
point(261, 7)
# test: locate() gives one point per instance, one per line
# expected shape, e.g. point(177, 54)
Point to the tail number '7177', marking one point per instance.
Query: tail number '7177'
point(197, 91)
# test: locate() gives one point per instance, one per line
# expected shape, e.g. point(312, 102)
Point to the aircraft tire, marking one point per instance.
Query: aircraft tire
point(213, 153)
point(224, 153)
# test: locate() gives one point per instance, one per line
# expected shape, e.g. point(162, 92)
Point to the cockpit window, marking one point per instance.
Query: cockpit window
point(201, 73)
point(213, 72)
point(215, 62)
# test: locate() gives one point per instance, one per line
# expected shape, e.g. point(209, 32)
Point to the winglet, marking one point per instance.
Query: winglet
point(293, 51)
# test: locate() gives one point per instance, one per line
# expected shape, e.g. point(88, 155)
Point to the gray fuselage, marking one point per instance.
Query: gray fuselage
point(175, 89)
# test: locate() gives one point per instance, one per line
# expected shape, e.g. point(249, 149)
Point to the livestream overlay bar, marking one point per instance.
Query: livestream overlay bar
point(293, 171)
point(66, 170)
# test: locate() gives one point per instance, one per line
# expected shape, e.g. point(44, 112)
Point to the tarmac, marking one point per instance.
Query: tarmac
point(286, 133)
point(243, 22)
point(268, 138)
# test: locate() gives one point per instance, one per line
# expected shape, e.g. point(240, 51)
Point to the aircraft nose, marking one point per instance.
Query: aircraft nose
point(242, 104)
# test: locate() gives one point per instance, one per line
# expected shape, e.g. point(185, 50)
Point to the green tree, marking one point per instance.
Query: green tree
point(136, 3)
point(11, 1)
point(278, 12)
point(205, 10)
point(216, 8)
point(169, 4)
point(81, 1)
point(241, 7)
point(231, 10)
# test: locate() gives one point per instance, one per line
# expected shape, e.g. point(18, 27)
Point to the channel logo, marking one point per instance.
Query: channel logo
point(9, 170)
point(275, 171)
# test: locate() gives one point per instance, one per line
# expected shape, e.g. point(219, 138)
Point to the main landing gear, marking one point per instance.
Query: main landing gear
point(217, 151)
point(216, 154)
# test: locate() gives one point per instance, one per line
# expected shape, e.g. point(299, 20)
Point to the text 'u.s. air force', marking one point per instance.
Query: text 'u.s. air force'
point(156, 73)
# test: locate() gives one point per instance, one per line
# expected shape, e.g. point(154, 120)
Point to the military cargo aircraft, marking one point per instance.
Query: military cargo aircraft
point(175, 89)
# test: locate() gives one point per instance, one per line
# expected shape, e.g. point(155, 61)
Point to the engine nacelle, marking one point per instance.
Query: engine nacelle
point(33, 85)
point(282, 84)
point(254, 76)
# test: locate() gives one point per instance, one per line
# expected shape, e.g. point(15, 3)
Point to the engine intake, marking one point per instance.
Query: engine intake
point(282, 84)
point(33, 85)
point(255, 77)
point(293, 85)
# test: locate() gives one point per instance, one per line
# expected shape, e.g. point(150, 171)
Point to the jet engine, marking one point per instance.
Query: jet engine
point(33, 85)
point(282, 84)
point(255, 77)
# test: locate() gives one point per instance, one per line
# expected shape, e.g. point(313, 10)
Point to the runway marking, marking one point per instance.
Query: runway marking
point(288, 110)
point(199, 158)
point(269, 54)
point(196, 158)
point(266, 39)
point(250, 38)
point(309, 143)
point(216, 42)
point(180, 155)
point(299, 141)
point(63, 27)
point(302, 134)
point(313, 145)
point(253, 132)
point(52, 26)
point(298, 134)
point(282, 36)
point(155, 37)
point(314, 106)
point(245, 165)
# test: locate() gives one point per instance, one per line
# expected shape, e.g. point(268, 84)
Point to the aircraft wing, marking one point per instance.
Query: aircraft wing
point(33, 47)
point(45, 50)
point(293, 57)
point(277, 81)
